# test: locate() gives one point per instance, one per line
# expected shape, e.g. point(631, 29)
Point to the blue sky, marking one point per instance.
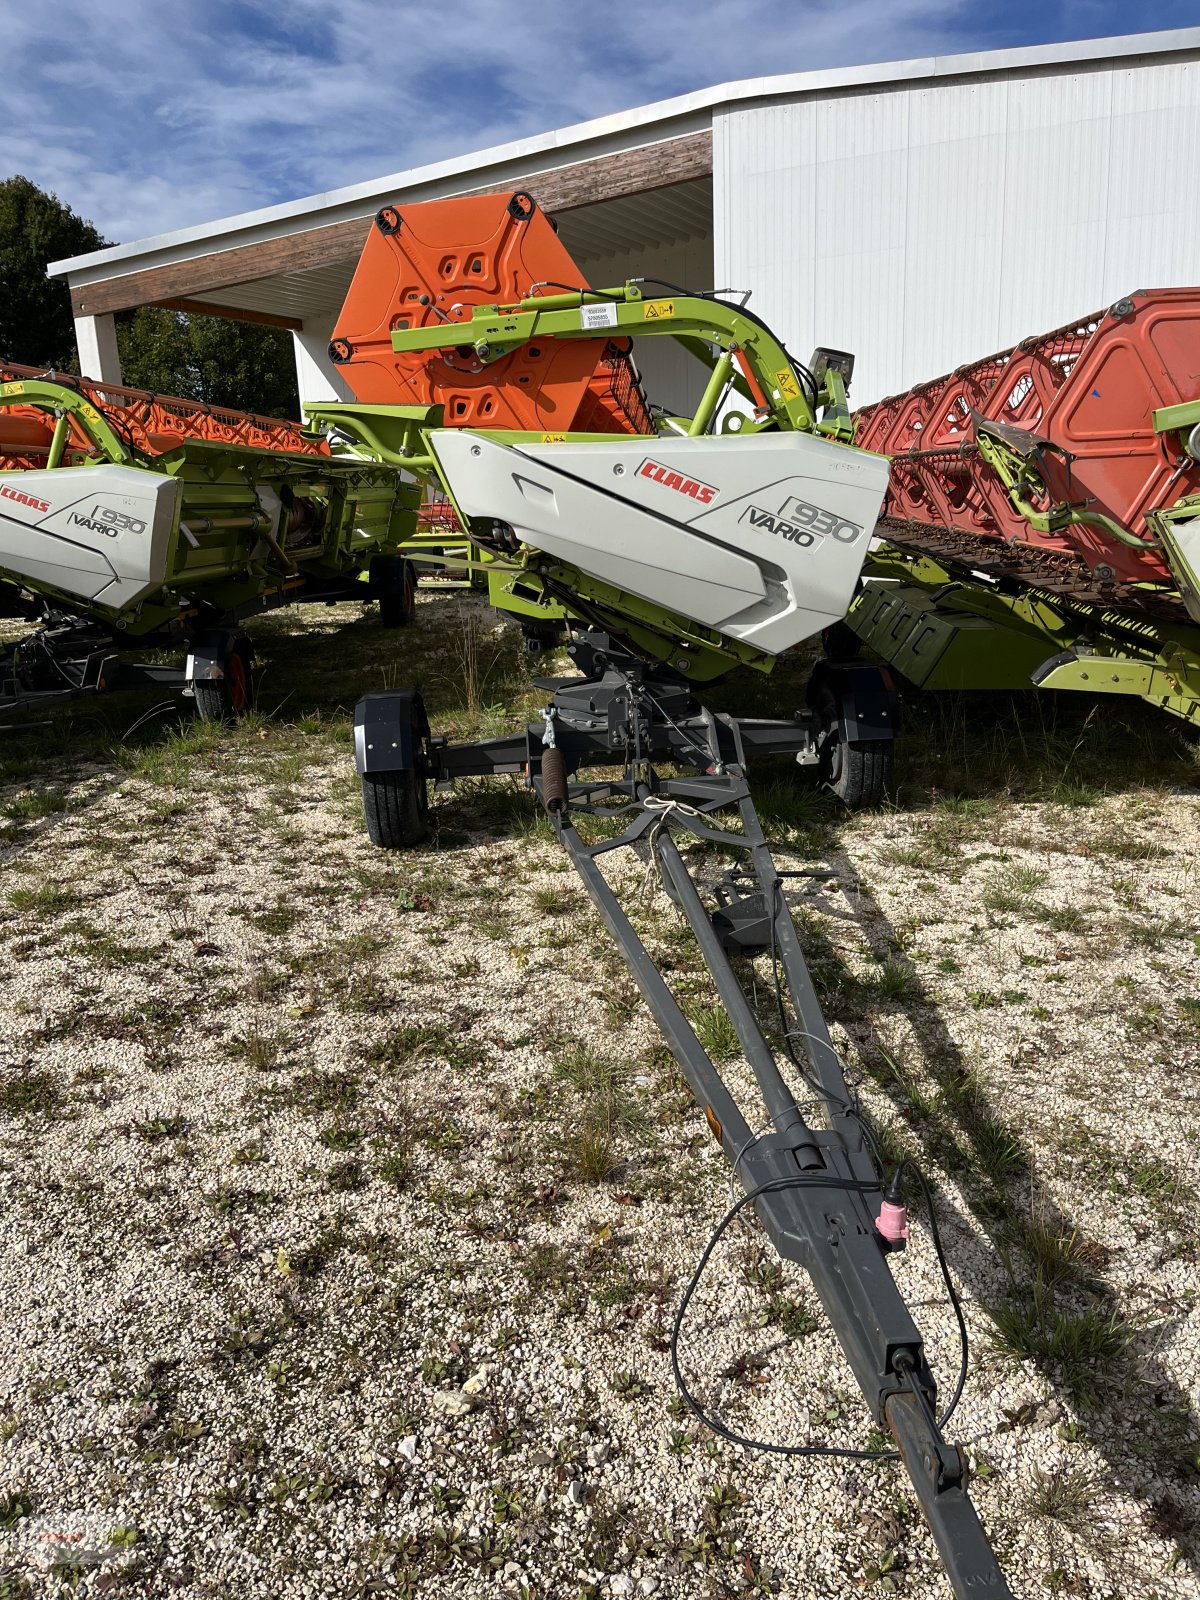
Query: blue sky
point(150, 115)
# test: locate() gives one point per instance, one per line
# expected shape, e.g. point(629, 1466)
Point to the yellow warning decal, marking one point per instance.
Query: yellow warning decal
point(553, 438)
point(785, 382)
point(12, 388)
point(655, 309)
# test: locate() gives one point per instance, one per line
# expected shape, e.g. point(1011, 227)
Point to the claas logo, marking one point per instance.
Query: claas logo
point(679, 481)
point(24, 499)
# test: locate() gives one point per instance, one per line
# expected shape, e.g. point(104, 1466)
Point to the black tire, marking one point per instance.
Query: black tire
point(227, 698)
point(858, 771)
point(394, 585)
point(396, 808)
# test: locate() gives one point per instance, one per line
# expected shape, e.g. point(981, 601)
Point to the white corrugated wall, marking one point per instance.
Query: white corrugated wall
point(924, 225)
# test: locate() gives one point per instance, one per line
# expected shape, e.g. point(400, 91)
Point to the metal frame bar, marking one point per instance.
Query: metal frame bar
point(827, 1230)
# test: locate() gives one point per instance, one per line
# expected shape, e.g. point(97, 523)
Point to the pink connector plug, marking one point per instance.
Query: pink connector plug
point(892, 1224)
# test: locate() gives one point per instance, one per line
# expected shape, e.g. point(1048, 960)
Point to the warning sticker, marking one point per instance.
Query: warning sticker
point(654, 309)
point(553, 438)
point(785, 382)
point(601, 316)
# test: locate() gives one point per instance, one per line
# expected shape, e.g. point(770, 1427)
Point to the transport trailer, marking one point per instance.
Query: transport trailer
point(816, 1183)
point(676, 549)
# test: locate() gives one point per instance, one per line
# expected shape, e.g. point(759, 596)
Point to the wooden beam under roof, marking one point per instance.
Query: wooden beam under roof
point(208, 308)
point(627, 172)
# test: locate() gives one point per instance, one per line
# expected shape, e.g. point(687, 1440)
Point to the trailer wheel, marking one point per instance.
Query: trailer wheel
point(394, 585)
point(396, 808)
point(230, 696)
point(858, 771)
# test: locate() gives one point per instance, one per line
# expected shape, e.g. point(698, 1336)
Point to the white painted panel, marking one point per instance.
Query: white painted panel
point(1154, 219)
point(927, 224)
point(1055, 202)
point(955, 235)
point(96, 341)
point(316, 376)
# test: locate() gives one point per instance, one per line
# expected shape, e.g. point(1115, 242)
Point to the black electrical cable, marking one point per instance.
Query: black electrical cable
point(848, 1185)
point(952, 1293)
point(805, 374)
point(852, 1110)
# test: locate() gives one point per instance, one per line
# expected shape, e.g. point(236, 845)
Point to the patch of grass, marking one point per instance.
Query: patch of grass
point(34, 804)
point(277, 921)
point(896, 981)
point(1157, 932)
point(1063, 919)
point(715, 1030)
point(1067, 1495)
point(1011, 889)
point(394, 1169)
point(591, 1147)
point(28, 1092)
point(47, 900)
point(555, 901)
point(110, 951)
point(261, 1049)
point(1084, 1348)
point(346, 1176)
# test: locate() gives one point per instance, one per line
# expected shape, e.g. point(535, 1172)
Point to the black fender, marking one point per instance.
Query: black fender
point(208, 655)
point(864, 700)
point(389, 725)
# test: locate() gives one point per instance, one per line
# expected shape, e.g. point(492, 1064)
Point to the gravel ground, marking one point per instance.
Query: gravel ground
point(348, 1197)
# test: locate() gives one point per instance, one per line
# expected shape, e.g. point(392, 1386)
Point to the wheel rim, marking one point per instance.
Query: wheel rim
point(236, 678)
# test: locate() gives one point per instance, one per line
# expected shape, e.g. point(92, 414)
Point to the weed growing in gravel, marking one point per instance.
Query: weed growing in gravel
point(896, 981)
point(28, 1092)
point(591, 1148)
point(555, 902)
point(47, 899)
point(277, 921)
point(715, 1030)
point(34, 804)
point(1066, 1495)
point(1011, 890)
point(1085, 1348)
point(261, 1049)
point(14, 1506)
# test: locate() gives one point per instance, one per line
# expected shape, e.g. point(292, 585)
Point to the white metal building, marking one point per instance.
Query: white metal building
point(920, 213)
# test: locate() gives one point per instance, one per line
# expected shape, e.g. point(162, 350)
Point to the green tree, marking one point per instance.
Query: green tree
point(239, 364)
point(36, 328)
point(242, 365)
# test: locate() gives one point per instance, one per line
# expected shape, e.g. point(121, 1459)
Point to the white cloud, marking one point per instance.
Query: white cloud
point(149, 115)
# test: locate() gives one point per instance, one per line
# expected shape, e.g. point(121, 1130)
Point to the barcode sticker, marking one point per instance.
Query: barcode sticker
point(601, 316)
